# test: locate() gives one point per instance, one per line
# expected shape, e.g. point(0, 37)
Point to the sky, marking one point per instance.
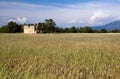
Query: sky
point(65, 13)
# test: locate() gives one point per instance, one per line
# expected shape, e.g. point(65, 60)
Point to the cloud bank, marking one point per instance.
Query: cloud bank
point(80, 14)
point(97, 16)
point(19, 20)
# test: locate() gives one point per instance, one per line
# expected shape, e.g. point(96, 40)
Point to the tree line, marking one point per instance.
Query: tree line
point(49, 26)
point(11, 27)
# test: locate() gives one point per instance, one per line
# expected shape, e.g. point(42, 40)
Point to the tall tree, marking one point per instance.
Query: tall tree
point(12, 27)
point(51, 25)
point(73, 29)
point(86, 30)
point(103, 30)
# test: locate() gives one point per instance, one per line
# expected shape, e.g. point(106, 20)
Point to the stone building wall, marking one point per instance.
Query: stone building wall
point(29, 29)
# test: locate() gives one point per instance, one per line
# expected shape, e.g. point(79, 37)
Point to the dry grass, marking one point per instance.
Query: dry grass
point(60, 56)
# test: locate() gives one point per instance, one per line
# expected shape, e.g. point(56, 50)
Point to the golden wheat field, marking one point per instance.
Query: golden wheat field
point(60, 56)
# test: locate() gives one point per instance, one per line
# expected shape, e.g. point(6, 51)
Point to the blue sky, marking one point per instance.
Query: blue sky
point(49, 1)
point(66, 13)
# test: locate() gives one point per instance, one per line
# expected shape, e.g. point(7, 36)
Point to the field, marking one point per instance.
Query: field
point(60, 56)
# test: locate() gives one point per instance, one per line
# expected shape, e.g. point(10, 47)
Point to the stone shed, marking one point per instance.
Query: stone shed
point(30, 29)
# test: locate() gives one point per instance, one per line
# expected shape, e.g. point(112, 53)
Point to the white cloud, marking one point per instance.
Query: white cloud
point(72, 21)
point(98, 15)
point(19, 20)
point(11, 20)
point(91, 13)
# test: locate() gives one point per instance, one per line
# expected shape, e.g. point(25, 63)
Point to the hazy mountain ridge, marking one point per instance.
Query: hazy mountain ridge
point(110, 26)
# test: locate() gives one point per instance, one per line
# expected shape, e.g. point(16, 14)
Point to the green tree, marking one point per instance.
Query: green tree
point(12, 27)
point(103, 30)
point(115, 31)
point(73, 29)
point(42, 28)
point(59, 30)
point(86, 30)
point(4, 29)
point(39, 27)
point(67, 30)
point(51, 25)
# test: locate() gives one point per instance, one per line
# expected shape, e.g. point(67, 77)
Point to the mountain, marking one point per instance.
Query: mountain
point(110, 26)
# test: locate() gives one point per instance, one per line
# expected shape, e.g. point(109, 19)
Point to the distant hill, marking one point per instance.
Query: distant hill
point(110, 26)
